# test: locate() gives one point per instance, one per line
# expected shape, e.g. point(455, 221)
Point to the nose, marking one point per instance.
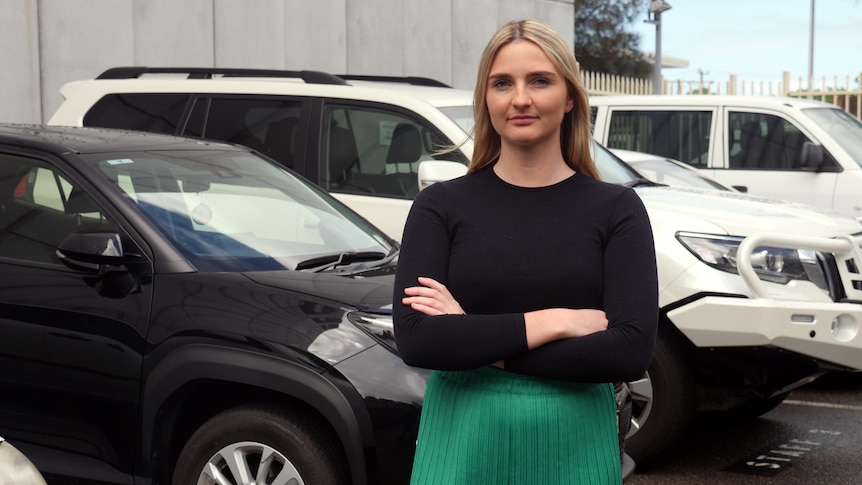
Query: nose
point(521, 96)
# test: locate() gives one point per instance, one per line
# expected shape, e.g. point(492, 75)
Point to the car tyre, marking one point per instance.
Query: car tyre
point(258, 445)
point(662, 402)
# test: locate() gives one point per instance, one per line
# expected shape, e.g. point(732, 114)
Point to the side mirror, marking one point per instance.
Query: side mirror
point(88, 251)
point(100, 254)
point(432, 171)
point(811, 157)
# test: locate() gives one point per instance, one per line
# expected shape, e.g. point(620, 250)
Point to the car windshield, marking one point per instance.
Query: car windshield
point(234, 211)
point(462, 115)
point(663, 171)
point(611, 168)
point(844, 128)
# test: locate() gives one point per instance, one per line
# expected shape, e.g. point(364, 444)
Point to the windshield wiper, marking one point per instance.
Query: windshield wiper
point(642, 182)
point(329, 261)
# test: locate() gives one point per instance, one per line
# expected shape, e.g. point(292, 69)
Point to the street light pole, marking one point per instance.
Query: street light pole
point(656, 7)
point(811, 51)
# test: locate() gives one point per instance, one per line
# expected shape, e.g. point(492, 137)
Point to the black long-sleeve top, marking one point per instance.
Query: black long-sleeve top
point(504, 250)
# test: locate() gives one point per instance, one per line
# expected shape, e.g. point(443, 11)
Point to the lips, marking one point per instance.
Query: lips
point(522, 120)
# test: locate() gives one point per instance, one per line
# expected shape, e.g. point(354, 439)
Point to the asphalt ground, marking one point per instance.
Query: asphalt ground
point(811, 438)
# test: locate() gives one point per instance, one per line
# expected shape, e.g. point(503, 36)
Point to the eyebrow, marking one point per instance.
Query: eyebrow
point(503, 75)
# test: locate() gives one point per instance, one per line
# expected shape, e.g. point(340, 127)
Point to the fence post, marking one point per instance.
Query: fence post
point(731, 84)
point(859, 97)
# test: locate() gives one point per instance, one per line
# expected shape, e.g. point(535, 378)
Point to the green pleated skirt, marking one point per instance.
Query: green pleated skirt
point(490, 426)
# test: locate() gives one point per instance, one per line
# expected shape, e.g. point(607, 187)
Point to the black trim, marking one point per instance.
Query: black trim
point(698, 296)
point(131, 72)
point(412, 80)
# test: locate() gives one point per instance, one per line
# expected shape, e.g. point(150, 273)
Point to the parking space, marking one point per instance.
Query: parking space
point(810, 438)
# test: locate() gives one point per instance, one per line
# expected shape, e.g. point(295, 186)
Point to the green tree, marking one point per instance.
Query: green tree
point(602, 43)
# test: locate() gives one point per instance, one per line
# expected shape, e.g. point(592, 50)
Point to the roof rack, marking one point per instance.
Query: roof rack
point(311, 77)
point(417, 81)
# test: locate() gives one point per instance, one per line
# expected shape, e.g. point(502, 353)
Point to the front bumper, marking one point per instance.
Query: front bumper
point(825, 331)
point(816, 327)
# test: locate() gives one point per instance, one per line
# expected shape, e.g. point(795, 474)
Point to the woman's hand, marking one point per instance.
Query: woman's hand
point(431, 298)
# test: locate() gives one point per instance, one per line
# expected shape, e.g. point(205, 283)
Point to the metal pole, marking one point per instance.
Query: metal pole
point(656, 76)
point(811, 51)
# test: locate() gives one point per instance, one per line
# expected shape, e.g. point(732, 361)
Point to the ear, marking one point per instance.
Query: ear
point(570, 103)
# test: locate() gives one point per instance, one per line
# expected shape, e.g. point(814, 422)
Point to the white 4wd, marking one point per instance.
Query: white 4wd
point(783, 148)
point(364, 142)
point(757, 296)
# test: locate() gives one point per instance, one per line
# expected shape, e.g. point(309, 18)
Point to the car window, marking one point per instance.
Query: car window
point(40, 208)
point(760, 141)
point(845, 129)
point(680, 135)
point(372, 151)
point(158, 113)
point(268, 125)
point(234, 211)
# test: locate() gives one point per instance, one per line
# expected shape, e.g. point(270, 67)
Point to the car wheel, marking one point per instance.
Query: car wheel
point(662, 403)
point(257, 445)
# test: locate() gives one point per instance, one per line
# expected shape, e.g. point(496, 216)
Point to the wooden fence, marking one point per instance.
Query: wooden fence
point(837, 92)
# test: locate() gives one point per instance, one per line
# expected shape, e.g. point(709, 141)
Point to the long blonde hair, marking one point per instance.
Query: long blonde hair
point(575, 129)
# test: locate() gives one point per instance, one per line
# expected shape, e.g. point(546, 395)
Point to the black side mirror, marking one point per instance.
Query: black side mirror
point(101, 254)
point(811, 157)
point(88, 251)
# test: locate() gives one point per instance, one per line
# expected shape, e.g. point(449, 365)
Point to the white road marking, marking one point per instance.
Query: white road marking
point(814, 404)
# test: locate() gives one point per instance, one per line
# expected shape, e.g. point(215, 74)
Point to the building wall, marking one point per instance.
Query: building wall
point(48, 43)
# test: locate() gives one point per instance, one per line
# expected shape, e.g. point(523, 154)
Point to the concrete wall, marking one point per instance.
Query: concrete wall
point(47, 43)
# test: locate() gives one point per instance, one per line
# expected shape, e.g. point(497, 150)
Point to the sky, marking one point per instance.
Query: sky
point(758, 39)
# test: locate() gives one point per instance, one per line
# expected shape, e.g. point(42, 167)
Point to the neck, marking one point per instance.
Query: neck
point(532, 168)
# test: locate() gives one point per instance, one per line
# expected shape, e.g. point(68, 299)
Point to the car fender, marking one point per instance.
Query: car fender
point(343, 410)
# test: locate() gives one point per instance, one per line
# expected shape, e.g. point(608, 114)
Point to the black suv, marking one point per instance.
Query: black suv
point(181, 311)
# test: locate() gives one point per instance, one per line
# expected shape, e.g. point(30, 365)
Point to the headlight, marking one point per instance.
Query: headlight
point(776, 265)
point(380, 327)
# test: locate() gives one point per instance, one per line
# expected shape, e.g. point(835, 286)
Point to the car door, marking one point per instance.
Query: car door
point(70, 349)
point(683, 134)
point(368, 157)
point(276, 126)
point(763, 157)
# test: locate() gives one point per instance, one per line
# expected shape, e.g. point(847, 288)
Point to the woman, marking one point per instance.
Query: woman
point(528, 285)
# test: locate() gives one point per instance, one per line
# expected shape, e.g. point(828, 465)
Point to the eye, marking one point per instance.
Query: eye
point(500, 84)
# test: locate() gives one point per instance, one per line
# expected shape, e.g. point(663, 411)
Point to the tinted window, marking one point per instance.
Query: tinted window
point(681, 135)
point(367, 150)
point(159, 113)
point(763, 142)
point(270, 126)
point(40, 209)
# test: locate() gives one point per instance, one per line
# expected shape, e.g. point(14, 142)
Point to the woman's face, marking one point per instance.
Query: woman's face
point(526, 95)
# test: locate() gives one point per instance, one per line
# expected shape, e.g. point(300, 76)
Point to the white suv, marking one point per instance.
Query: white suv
point(757, 296)
point(364, 142)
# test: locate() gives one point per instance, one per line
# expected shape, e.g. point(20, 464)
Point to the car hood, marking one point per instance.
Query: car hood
point(370, 292)
point(740, 214)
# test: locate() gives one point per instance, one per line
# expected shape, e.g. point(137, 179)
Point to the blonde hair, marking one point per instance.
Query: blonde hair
point(575, 129)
